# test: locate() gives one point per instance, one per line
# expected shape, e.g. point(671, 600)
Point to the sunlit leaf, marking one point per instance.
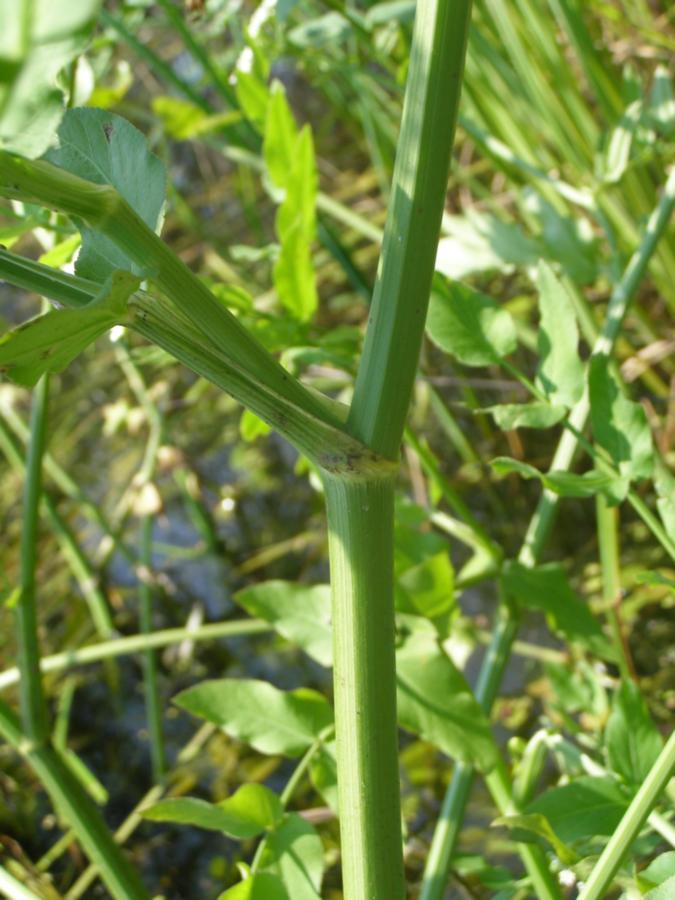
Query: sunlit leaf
point(560, 373)
point(469, 325)
point(106, 149)
point(294, 853)
point(280, 137)
point(302, 614)
point(632, 741)
point(620, 426)
point(255, 712)
point(582, 809)
point(525, 415)
point(435, 702)
point(480, 242)
point(51, 341)
point(262, 886)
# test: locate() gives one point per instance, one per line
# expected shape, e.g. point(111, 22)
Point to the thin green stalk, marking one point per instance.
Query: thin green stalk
point(138, 643)
point(445, 836)
point(619, 844)
point(153, 704)
point(77, 809)
point(394, 335)
point(608, 541)
point(13, 889)
point(34, 714)
point(360, 523)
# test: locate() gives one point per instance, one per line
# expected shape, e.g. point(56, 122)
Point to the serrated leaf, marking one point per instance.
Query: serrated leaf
point(258, 887)
point(51, 341)
point(585, 808)
point(435, 702)
point(299, 613)
point(106, 149)
point(537, 824)
point(469, 325)
point(547, 589)
point(620, 426)
point(31, 103)
point(255, 712)
point(294, 853)
point(249, 812)
point(509, 416)
point(280, 137)
point(632, 741)
point(560, 372)
point(294, 276)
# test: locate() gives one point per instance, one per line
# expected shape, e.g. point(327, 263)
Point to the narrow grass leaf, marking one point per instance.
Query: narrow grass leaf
point(257, 887)
point(106, 149)
point(620, 143)
point(620, 426)
point(299, 613)
point(632, 741)
point(50, 342)
point(294, 853)
point(255, 712)
point(435, 702)
point(469, 325)
point(560, 373)
point(661, 108)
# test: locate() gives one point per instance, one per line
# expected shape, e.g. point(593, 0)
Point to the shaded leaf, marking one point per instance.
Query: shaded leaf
point(560, 372)
point(323, 774)
point(270, 720)
point(632, 741)
point(106, 149)
point(571, 242)
point(566, 484)
point(299, 613)
point(619, 425)
point(435, 702)
point(469, 325)
point(659, 870)
point(51, 341)
point(428, 588)
point(547, 589)
point(294, 853)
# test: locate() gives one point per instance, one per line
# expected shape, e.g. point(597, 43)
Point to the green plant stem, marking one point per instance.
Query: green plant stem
point(453, 807)
point(78, 810)
point(33, 703)
point(360, 523)
point(600, 880)
point(398, 313)
point(13, 889)
point(608, 541)
point(153, 704)
point(138, 643)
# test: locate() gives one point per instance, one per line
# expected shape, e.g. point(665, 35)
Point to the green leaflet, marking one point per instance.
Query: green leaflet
point(632, 741)
point(106, 149)
point(435, 702)
point(257, 887)
point(619, 425)
point(50, 342)
point(566, 484)
point(294, 853)
point(546, 589)
point(582, 809)
point(299, 613)
point(280, 139)
point(560, 373)
point(270, 720)
point(525, 825)
point(525, 415)
point(249, 812)
point(469, 325)
point(294, 277)
point(31, 103)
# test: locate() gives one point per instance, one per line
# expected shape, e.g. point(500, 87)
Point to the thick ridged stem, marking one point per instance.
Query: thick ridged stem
point(360, 522)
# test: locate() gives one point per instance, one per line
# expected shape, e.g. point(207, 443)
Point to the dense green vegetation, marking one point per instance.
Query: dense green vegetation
point(304, 447)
